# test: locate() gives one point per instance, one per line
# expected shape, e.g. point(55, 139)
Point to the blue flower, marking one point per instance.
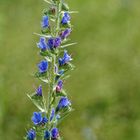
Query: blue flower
point(47, 135)
point(45, 22)
point(66, 18)
point(65, 33)
point(42, 44)
point(66, 58)
point(54, 133)
point(43, 66)
point(54, 42)
point(39, 91)
point(63, 103)
point(59, 86)
point(37, 118)
point(52, 114)
point(31, 135)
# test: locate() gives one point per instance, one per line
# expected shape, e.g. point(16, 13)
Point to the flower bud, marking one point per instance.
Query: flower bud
point(64, 34)
point(45, 21)
point(54, 42)
point(39, 91)
point(42, 44)
point(63, 103)
point(59, 86)
point(43, 66)
point(31, 135)
point(54, 133)
point(66, 18)
point(47, 135)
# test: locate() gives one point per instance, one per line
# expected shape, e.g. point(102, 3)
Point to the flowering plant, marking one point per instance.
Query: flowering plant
point(52, 72)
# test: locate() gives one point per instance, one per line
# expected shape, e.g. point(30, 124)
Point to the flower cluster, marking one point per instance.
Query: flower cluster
point(52, 71)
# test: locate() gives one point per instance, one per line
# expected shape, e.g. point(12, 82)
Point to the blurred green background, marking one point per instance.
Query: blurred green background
point(105, 86)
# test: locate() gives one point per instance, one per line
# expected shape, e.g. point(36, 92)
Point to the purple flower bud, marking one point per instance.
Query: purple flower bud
point(43, 66)
point(54, 42)
point(39, 91)
point(65, 33)
point(63, 103)
point(44, 120)
point(66, 58)
point(45, 22)
point(66, 18)
point(59, 86)
point(31, 135)
point(54, 133)
point(51, 43)
point(42, 44)
point(57, 42)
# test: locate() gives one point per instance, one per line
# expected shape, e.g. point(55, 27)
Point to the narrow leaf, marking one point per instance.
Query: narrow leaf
point(44, 80)
point(73, 12)
point(64, 46)
point(37, 102)
point(47, 36)
point(49, 2)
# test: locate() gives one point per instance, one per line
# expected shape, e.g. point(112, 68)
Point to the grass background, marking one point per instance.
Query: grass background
point(105, 86)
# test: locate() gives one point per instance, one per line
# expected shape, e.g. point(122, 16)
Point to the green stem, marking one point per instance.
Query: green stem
point(51, 95)
point(59, 7)
point(51, 87)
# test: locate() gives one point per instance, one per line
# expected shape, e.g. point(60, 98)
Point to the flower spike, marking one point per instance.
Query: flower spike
point(52, 71)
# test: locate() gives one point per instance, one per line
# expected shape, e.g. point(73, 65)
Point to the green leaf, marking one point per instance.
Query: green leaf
point(44, 80)
point(48, 1)
point(64, 115)
point(73, 12)
point(42, 35)
point(38, 74)
point(37, 101)
point(70, 44)
point(65, 7)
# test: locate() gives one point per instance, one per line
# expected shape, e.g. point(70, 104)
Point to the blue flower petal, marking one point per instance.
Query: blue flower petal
point(39, 91)
point(65, 33)
point(37, 118)
point(47, 135)
point(54, 133)
point(66, 58)
point(63, 103)
point(43, 66)
point(45, 22)
point(66, 18)
point(42, 44)
point(31, 135)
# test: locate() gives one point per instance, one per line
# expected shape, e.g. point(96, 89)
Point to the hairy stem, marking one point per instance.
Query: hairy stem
point(52, 68)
